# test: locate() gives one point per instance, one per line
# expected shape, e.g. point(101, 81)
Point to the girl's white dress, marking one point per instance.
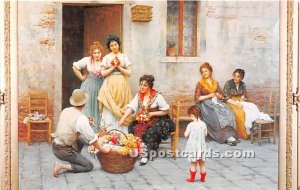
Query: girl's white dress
point(196, 146)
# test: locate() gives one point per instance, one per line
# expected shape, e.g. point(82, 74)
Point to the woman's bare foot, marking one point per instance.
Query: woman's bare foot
point(56, 169)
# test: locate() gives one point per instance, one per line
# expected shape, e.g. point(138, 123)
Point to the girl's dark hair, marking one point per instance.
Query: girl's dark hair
point(110, 38)
point(241, 72)
point(149, 79)
point(194, 110)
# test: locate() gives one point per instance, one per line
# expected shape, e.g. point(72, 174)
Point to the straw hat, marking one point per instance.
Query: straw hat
point(78, 98)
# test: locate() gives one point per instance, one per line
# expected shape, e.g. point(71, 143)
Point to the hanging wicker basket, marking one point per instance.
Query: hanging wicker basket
point(114, 162)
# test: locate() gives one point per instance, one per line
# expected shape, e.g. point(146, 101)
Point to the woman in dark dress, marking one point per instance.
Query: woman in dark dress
point(152, 122)
point(245, 112)
point(235, 93)
point(215, 113)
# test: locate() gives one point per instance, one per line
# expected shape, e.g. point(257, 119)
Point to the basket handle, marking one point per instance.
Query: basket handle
point(118, 131)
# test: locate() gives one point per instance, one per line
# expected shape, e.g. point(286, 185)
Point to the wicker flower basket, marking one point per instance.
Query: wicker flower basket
point(113, 162)
point(116, 163)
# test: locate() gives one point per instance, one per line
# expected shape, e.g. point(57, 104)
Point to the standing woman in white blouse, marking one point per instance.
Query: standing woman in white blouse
point(115, 92)
point(91, 81)
point(152, 120)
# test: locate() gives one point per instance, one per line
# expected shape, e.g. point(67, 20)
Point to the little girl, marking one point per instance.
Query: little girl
point(196, 147)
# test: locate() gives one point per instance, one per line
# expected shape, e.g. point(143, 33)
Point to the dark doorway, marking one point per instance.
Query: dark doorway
point(83, 25)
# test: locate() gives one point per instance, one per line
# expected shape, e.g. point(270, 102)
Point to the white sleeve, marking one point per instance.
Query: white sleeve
point(103, 63)
point(204, 127)
point(161, 102)
point(134, 104)
point(82, 63)
point(127, 61)
point(83, 127)
point(189, 126)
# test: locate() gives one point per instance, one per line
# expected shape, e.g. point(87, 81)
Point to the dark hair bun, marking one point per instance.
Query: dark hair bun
point(151, 78)
point(240, 71)
point(112, 37)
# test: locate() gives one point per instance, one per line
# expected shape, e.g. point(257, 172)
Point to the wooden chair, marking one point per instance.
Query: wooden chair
point(178, 113)
point(266, 129)
point(38, 101)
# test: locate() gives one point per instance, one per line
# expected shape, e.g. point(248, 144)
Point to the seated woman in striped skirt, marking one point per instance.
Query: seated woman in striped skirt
point(152, 122)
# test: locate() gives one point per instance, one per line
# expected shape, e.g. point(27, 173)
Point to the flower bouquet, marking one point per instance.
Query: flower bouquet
point(142, 116)
point(124, 144)
point(125, 148)
point(115, 62)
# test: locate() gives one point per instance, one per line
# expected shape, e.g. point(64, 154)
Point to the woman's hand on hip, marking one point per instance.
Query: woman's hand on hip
point(83, 77)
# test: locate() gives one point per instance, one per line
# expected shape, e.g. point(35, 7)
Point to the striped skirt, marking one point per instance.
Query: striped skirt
point(92, 85)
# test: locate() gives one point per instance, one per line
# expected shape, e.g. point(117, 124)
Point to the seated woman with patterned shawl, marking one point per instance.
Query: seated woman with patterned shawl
point(217, 116)
point(152, 120)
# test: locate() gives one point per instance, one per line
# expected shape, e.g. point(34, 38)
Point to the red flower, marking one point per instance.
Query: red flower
point(116, 62)
point(114, 140)
point(142, 116)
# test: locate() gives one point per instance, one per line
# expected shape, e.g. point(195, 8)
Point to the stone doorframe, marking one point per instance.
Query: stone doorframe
point(9, 165)
point(9, 127)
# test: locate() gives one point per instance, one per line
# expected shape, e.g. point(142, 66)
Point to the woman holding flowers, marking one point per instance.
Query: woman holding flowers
point(152, 120)
point(115, 92)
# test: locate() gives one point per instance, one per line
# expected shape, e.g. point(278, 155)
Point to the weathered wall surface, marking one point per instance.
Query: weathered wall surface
point(230, 35)
point(242, 35)
point(38, 54)
point(147, 42)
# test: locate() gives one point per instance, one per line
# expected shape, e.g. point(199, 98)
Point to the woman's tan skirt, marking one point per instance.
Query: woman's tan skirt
point(114, 95)
point(239, 115)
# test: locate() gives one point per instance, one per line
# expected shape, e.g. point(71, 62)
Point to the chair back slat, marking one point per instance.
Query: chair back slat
point(38, 101)
point(265, 127)
point(184, 106)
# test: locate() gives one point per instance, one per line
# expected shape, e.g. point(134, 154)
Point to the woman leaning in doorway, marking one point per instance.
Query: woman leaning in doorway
point(91, 81)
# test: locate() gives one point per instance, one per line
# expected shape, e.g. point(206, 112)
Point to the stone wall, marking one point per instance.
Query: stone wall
point(230, 35)
point(38, 53)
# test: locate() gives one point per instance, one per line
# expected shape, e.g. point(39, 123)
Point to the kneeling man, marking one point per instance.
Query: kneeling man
point(66, 145)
